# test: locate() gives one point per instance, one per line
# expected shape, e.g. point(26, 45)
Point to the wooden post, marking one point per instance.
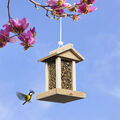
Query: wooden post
point(58, 72)
point(46, 77)
point(74, 75)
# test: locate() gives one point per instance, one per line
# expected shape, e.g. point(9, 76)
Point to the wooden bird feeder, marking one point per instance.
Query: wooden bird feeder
point(61, 75)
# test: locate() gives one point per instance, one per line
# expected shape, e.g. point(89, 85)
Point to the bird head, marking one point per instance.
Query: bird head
point(31, 92)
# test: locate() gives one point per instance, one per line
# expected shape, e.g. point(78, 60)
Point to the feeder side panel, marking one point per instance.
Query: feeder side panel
point(52, 74)
point(66, 74)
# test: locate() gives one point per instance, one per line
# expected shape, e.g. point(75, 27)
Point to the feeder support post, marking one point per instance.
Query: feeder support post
point(74, 75)
point(58, 72)
point(46, 77)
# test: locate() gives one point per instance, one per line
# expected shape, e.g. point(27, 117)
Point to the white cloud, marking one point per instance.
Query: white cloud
point(115, 92)
point(104, 72)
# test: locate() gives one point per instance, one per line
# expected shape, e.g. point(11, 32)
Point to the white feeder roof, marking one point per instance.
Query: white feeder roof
point(67, 52)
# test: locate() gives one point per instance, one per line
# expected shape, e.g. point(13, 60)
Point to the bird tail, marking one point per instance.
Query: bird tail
point(24, 102)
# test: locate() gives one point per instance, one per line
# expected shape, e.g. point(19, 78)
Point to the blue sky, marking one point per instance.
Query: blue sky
point(96, 36)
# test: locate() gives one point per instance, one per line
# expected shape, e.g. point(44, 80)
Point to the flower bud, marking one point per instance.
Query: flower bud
point(60, 2)
point(71, 9)
point(64, 15)
point(75, 17)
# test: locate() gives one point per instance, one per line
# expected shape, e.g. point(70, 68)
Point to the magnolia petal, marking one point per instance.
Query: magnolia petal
point(91, 9)
point(13, 40)
point(22, 44)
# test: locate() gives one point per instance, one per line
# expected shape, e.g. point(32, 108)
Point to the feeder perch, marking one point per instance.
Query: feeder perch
point(61, 75)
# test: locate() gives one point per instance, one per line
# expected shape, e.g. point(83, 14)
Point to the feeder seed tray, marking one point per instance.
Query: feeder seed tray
point(60, 95)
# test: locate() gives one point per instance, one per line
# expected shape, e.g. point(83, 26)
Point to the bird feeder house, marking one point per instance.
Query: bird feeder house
point(61, 75)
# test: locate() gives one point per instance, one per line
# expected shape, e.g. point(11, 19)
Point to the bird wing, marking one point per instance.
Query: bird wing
point(21, 96)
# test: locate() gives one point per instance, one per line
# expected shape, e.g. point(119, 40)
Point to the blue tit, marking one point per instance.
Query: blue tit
point(24, 97)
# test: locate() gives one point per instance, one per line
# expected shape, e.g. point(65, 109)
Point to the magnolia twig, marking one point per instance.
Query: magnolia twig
point(36, 3)
point(8, 6)
point(9, 37)
point(15, 35)
point(52, 10)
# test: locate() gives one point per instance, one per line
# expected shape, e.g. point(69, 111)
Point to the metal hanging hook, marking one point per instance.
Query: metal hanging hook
point(60, 43)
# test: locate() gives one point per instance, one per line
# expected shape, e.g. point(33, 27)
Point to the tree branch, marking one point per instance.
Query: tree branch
point(8, 6)
point(52, 10)
point(36, 3)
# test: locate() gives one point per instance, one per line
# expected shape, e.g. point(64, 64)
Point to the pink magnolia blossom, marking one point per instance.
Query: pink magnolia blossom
point(58, 10)
point(85, 6)
point(28, 39)
point(7, 27)
point(66, 4)
point(33, 31)
point(87, 1)
point(58, 5)
point(17, 26)
point(90, 1)
point(4, 38)
point(91, 9)
point(84, 9)
point(52, 2)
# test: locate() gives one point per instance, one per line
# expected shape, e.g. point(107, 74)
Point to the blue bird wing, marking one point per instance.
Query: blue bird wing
point(21, 96)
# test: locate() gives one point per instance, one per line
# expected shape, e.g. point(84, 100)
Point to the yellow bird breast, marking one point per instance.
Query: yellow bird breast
point(28, 98)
